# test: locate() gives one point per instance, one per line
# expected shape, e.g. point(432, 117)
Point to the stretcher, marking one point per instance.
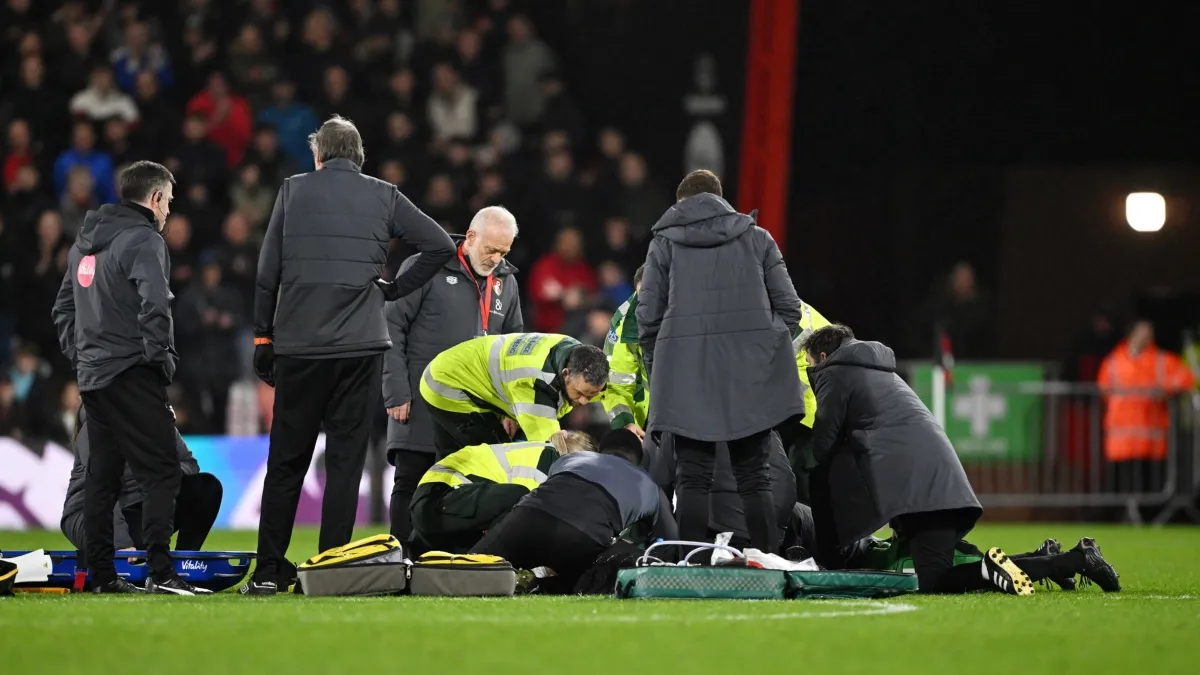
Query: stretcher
point(213, 570)
point(652, 578)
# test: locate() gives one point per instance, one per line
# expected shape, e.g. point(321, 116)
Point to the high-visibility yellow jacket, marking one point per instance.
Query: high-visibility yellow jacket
point(626, 399)
point(518, 375)
point(810, 320)
point(524, 464)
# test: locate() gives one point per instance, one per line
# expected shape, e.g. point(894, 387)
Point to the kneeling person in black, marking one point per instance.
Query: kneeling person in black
point(196, 505)
point(589, 499)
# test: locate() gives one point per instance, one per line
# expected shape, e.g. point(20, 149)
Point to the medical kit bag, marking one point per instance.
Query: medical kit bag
point(438, 573)
point(371, 566)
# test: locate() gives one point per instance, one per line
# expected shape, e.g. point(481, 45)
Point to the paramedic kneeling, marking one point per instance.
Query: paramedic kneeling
point(467, 491)
point(589, 499)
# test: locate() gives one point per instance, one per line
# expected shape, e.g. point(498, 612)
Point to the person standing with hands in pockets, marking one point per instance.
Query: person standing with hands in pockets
point(474, 294)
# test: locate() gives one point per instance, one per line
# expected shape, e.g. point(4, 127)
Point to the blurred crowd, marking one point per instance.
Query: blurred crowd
point(460, 104)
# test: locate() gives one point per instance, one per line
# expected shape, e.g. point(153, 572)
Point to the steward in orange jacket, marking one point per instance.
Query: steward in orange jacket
point(1136, 380)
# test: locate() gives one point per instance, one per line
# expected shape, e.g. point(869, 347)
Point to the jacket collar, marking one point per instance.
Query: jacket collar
point(341, 164)
point(504, 269)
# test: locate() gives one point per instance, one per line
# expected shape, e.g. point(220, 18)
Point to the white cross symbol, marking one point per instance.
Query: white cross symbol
point(980, 406)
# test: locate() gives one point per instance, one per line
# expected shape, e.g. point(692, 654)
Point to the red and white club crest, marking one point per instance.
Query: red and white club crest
point(498, 287)
point(87, 270)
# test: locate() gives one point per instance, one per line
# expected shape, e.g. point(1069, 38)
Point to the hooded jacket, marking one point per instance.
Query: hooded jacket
point(878, 446)
point(446, 311)
point(716, 315)
point(113, 309)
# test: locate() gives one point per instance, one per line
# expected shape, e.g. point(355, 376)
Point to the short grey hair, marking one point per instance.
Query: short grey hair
point(494, 214)
point(337, 138)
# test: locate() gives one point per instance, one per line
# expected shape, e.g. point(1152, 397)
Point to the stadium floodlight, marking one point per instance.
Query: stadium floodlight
point(1145, 211)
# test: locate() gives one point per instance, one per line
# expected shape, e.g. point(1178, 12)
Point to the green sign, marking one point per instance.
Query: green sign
point(987, 417)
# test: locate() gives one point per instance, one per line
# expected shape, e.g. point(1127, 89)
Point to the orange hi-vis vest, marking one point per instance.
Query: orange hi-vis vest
point(1136, 388)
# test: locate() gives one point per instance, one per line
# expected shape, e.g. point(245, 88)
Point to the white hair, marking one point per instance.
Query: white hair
point(494, 214)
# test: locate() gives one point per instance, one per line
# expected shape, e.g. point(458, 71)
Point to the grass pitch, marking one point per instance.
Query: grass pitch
point(1153, 626)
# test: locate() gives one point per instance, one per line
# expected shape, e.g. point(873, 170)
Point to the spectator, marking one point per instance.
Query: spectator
point(83, 152)
point(401, 92)
point(273, 165)
point(338, 101)
point(525, 59)
point(160, 118)
point(16, 17)
point(31, 385)
point(293, 122)
point(559, 111)
point(240, 256)
point(21, 151)
point(203, 53)
point(44, 265)
point(615, 285)
point(204, 218)
point(35, 100)
point(560, 281)
point(79, 198)
point(178, 235)
point(230, 120)
point(375, 38)
point(251, 67)
point(492, 191)
point(26, 199)
point(250, 197)
point(198, 161)
point(559, 197)
point(441, 204)
point(639, 201)
point(102, 100)
point(611, 143)
point(12, 414)
point(272, 24)
point(393, 171)
point(961, 312)
point(139, 55)
point(401, 143)
point(9, 282)
point(452, 106)
point(75, 66)
point(596, 323)
point(617, 245)
point(61, 426)
point(119, 145)
point(210, 315)
point(482, 74)
point(318, 51)
point(457, 165)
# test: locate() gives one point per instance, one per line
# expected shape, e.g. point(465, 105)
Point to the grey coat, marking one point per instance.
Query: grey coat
point(326, 243)
point(444, 312)
point(716, 316)
point(131, 492)
point(884, 453)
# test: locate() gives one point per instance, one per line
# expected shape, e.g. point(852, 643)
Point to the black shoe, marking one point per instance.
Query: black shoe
point(1052, 547)
point(1004, 573)
point(174, 586)
point(796, 554)
point(1096, 569)
point(254, 587)
point(117, 586)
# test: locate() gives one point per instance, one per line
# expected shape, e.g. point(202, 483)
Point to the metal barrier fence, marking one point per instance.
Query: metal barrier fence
point(1052, 455)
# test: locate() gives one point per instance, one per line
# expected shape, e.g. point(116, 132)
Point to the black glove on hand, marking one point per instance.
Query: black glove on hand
point(264, 362)
point(389, 289)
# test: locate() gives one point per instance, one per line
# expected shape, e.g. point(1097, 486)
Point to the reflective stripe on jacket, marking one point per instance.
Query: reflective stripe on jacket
point(524, 464)
point(1135, 387)
point(810, 320)
point(626, 399)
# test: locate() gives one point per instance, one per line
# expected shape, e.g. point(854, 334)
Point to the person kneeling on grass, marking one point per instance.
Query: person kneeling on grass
point(881, 458)
point(589, 500)
point(463, 494)
point(196, 505)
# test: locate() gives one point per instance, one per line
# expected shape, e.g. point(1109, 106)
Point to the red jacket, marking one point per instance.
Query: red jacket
point(231, 134)
point(550, 271)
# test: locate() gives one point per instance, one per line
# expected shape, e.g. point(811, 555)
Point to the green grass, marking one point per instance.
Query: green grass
point(1153, 626)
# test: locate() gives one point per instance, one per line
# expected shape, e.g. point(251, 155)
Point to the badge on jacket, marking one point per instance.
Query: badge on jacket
point(451, 279)
point(498, 287)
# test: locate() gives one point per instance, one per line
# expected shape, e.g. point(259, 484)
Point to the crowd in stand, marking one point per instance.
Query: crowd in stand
point(460, 104)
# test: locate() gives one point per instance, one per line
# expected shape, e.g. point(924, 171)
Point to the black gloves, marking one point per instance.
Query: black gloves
point(264, 361)
point(389, 289)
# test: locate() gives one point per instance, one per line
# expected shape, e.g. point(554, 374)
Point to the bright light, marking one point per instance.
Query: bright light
point(1145, 211)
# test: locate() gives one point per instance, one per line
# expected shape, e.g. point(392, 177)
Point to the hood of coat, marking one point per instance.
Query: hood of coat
point(702, 221)
point(873, 355)
point(101, 227)
point(504, 269)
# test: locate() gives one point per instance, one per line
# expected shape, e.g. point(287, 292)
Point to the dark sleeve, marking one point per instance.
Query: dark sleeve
point(148, 272)
point(832, 399)
point(665, 527)
point(652, 299)
point(549, 455)
point(187, 461)
point(780, 289)
point(270, 267)
point(424, 234)
point(400, 314)
point(514, 321)
point(64, 316)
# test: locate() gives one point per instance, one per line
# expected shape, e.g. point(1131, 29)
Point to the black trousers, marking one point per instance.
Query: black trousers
point(410, 466)
point(455, 519)
point(530, 538)
point(694, 477)
point(454, 431)
point(128, 422)
point(933, 537)
point(797, 442)
point(342, 395)
point(196, 508)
